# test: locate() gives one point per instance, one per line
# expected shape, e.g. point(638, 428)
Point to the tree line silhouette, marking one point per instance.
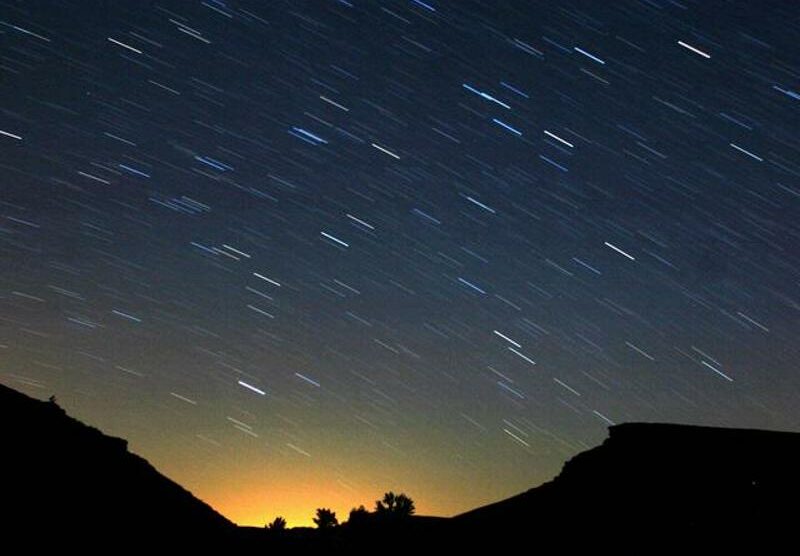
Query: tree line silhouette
point(391, 507)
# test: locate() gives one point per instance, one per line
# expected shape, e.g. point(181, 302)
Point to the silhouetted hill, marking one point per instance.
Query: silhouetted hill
point(647, 489)
point(372, 535)
point(658, 488)
point(65, 484)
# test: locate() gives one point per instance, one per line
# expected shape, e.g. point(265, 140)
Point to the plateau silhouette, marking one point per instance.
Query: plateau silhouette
point(649, 488)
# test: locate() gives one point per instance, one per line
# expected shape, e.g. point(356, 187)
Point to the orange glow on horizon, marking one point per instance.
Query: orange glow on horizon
point(251, 483)
point(254, 503)
point(253, 498)
point(249, 493)
point(297, 505)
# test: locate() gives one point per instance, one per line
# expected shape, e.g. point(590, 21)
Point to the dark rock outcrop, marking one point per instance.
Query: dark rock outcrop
point(67, 485)
point(647, 489)
point(658, 488)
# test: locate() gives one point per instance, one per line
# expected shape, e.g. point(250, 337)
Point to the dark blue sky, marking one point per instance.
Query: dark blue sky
point(299, 253)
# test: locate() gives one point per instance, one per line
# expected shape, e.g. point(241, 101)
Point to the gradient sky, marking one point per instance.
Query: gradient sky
point(300, 253)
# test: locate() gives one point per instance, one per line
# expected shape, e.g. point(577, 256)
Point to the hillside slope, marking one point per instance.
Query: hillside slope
point(67, 484)
point(658, 488)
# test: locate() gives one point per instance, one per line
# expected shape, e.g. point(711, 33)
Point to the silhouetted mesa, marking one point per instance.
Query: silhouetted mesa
point(66, 484)
point(647, 489)
point(659, 488)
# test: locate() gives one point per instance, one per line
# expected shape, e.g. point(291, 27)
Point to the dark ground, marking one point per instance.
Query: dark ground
point(648, 489)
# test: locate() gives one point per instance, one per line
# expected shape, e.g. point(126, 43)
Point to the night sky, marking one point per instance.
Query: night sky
point(301, 253)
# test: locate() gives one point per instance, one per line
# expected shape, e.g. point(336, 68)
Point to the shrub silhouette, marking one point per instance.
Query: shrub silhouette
point(326, 519)
point(358, 516)
point(396, 505)
point(278, 524)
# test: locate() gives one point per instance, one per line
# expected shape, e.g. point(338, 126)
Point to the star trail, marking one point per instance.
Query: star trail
point(299, 253)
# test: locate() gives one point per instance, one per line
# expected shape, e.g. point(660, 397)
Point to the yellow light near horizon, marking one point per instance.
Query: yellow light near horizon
point(258, 505)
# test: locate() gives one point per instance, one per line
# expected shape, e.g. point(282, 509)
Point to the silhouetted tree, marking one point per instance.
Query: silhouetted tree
point(398, 505)
point(358, 516)
point(326, 519)
point(278, 524)
point(404, 506)
point(385, 505)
